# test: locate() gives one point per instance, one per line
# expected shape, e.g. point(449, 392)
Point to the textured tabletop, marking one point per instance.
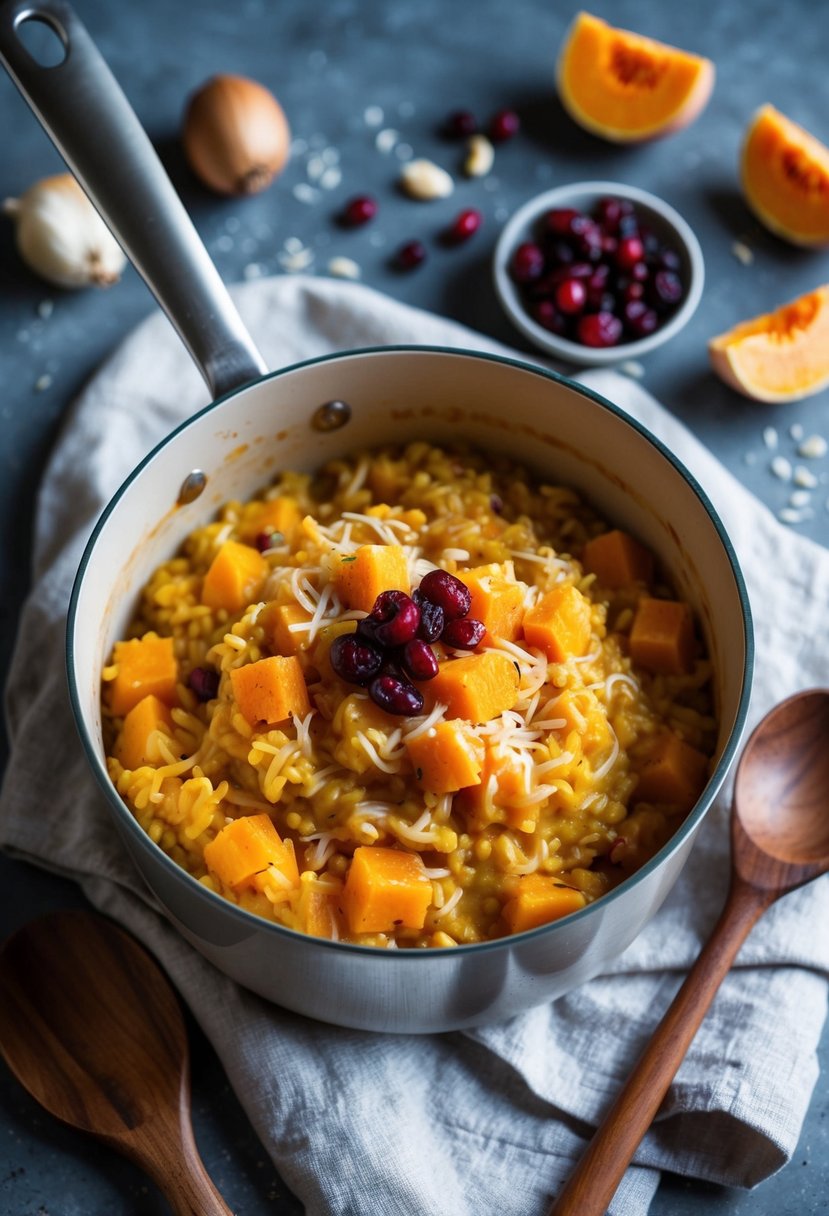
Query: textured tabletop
point(366, 85)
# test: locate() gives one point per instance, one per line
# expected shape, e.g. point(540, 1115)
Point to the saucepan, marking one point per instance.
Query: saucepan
point(299, 417)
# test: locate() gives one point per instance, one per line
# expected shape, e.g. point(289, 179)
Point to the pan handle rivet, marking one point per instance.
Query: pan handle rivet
point(191, 487)
point(331, 416)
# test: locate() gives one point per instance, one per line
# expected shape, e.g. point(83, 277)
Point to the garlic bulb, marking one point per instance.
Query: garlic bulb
point(61, 236)
point(236, 135)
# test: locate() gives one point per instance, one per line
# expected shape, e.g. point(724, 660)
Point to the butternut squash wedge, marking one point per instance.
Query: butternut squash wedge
point(625, 87)
point(785, 177)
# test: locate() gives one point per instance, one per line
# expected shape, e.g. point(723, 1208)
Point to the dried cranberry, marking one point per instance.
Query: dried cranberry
point(448, 592)
point(398, 617)
point(204, 682)
point(599, 329)
point(503, 126)
point(527, 262)
point(268, 540)
point(432, 620)
point(460, 124)
point(359, 211)
point(396, 696)
point(419, 660)
point(571, 296)
point(465, 634)
point(354, 659)
point(410, 255)
point(496, 504)
point(464, 225)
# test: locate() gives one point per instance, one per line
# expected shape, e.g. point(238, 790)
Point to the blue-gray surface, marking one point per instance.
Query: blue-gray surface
point(336, 65)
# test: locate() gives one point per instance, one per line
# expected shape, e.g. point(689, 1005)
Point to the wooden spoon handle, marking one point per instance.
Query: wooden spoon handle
point(169, 1154)
point(593, 1183)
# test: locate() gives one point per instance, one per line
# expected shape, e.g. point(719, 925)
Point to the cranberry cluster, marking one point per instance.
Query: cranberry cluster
point(391, 647)
point(598, 279)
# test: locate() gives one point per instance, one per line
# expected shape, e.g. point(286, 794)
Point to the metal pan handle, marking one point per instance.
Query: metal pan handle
point(85, 113)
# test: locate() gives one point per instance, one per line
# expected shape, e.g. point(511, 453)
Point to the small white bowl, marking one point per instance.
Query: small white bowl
point(668, 225)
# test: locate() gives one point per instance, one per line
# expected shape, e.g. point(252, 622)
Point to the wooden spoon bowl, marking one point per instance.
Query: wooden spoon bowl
point(91, 1027)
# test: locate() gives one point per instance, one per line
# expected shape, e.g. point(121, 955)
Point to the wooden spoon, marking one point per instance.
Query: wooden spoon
point(91, 1027)
point(779, 841)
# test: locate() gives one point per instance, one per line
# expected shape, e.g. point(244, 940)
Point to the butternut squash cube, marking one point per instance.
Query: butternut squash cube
point(673, 773)
point(280, 514)
point(478, 687)
point(276, 621)
point(145, 666)
point(540, 899)
point(360, 577)
point(245, 847)
point(618, 560)
point(496, 601)
point(321, 912)
point(281, 877)
point(559, 624)
point(132, 747)
point(503, 780)
point(662, 637)
point(270, 690)
point(385, 889)
point(447, 758)
point(234, 578)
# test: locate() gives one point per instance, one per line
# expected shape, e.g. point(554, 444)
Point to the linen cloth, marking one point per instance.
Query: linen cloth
point(490, 1120)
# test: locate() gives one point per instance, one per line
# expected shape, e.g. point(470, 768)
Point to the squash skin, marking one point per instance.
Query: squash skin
point(792, 367)
point(784, 173)
point(595, 58)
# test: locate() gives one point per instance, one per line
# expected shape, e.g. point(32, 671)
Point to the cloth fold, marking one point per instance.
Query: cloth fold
point(491, 1119)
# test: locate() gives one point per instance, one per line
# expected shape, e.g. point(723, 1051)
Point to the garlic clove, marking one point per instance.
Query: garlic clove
point(236, 136)
point(424, 180)
point(61, 237)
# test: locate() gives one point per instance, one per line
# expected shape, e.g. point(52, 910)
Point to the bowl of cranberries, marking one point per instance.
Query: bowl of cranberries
point(598, 272)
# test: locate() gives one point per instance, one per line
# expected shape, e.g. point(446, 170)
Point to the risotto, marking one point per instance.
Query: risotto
point(415, 699)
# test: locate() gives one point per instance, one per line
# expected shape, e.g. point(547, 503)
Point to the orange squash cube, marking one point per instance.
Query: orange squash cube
point(234, 578)
point(385, 889)
point(662, 637)
point(245, 847)
point(145, 666)
point(321, 911)
point(540, 898)
point(496, 601)
point(270, 690)
point(478, 687)
point(618, 560)
point(360, 577)
point(447, 758)
point(673, 774)
point(559, 624)
point(503, 780)
point(276, 621)
point(132, 745)
point(280, 514)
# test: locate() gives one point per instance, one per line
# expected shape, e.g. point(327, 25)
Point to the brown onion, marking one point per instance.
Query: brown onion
point(236, 135)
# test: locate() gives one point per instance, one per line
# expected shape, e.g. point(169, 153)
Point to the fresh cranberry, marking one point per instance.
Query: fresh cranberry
point(465, 634)
point(503, 126)
point(639, 272)
point(639, 319)
point(609, 212)
point(628, 224)
point(665, 289)
point(545, 313)
point(527, 262)
point(609, 245)
point(410, 255)
point(354, 659)
point(432, 618)
point(396, 696)
point(633, 291)
point(464, 225)
point(629, 252)
point(668, 259)
point(359, 211)
point(589, 243)
point(268, 540)
point(563, 221)
point(419, 660)
point(398, 616)
point(204, 682)
point(561, 252)
point(599, 329)
point(571, 296)
point(600, 301)
point(460, 124)
point(448, 592)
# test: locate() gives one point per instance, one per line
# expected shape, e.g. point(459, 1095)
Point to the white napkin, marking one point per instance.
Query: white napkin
point(458, 1124)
